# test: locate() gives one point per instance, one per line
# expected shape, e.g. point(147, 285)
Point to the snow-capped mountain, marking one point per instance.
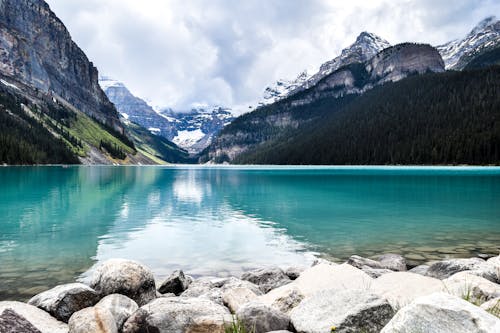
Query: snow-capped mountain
point(457, 53)
point(197, 127)
point(192, 130)
point(366, 46)
point(135, 109)
point(282, 87)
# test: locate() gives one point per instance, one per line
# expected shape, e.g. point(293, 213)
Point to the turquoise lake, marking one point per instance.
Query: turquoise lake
point(57, 222)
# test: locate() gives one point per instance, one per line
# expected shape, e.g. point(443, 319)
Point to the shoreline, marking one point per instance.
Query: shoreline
point(294, 299)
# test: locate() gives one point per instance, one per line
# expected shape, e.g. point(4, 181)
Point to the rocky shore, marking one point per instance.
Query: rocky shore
point(359, 296)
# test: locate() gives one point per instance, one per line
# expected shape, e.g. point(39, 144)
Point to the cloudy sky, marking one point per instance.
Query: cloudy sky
point(179, 52)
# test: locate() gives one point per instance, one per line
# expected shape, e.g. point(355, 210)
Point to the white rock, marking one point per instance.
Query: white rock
point(401, 288)
point(95, 320)
point(471, 287)
point(40, 319)
point(317, 278)
point(120, 306)
point(442, 313)
point(346, 310)
point(234, 298)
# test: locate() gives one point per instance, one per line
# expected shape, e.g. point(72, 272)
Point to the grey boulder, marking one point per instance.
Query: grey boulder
point(95, 320)
point(120, 306)
point(420, 269)
point(126, 277)
point(260, 318)
point(360, 262)
point(236, 297)
point(12, 312)
point(345, 310)
point(442, 313)
point(446, 268)
point(178, 315)
point(176, 283)
point(394, 262)
point(267, 278)
point(64, 300)
point(375, 272)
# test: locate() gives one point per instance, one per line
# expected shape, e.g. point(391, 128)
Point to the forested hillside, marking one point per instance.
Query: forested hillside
point(446, 118)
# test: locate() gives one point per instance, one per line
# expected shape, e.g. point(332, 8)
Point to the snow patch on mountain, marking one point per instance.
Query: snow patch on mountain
point(366, 46)
point(484, 36)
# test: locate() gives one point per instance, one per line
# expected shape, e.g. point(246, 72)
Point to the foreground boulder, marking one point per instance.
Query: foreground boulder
point(234, 298)
point(259, 318)
point(176, 283)
point(126, 277)
point(64, 300)
point(120, 306)
point(471, 287)
point(283, 299)
point(95, 320)
point(22, 317)
point(317, 278)
point(178, 315)
point(214, 288)
point(401, 288)
point(267, 278)
point(446, 268)
point(346, 310)
point(442, 313)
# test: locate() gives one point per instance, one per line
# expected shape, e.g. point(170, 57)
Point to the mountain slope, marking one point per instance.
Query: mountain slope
point(49, 87)
point(366, 46)
point(446, 118)
point(135, 109)
point(267, 123)
point(485, 36)
point(37, 50)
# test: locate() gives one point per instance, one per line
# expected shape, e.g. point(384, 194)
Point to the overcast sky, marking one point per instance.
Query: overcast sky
point(179, 52)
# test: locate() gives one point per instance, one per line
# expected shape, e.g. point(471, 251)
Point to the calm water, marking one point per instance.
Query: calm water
point(56, 223)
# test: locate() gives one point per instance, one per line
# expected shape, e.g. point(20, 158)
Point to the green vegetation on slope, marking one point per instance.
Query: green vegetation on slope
point(155, 147)
point(447, 118)
point(24, 140)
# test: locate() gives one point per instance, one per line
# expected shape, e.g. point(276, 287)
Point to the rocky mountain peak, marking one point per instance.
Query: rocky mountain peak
point(483, 37)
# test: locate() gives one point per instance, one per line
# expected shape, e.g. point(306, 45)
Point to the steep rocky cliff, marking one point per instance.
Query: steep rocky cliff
point(36, 49)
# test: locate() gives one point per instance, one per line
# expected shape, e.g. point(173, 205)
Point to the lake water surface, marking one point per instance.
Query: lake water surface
point(56, 222)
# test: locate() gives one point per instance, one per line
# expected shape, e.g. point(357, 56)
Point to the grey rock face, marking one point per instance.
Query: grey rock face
point(39, 319)
point(267, 278)
point(64, 300)
point(347, 310)
point(179, 315)
point(95, 320)
point(38, 51)
point(120, 306)
point(359, 262)
point(126, 277)
point(260, 318)
point(394, 262)
point(176, 283)
point(375, 272)
point(446, 268)
point(442, 313)
point(12, 322)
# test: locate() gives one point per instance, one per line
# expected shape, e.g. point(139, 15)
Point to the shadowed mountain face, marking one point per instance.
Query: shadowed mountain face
point(37, 50)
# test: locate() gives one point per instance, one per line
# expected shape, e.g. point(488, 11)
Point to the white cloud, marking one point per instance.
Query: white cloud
point(180, 52)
